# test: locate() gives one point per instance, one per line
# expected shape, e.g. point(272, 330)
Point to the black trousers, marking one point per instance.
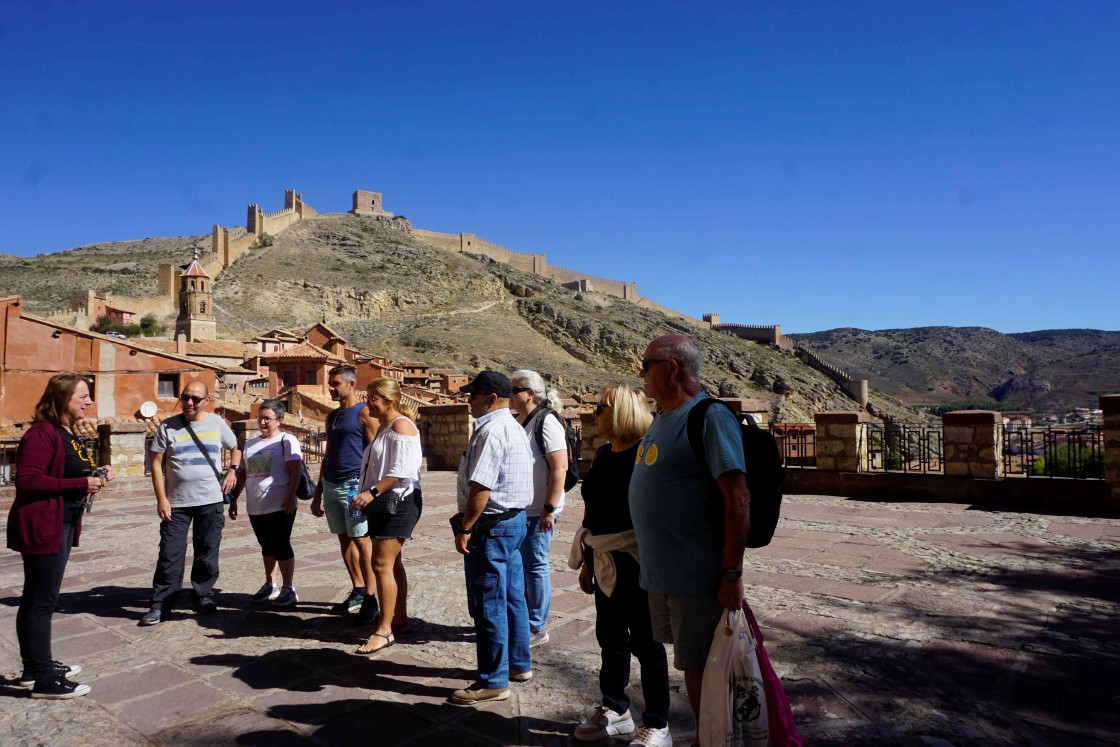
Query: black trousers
point(208, 521)
point(622, 628)
point(42, 580)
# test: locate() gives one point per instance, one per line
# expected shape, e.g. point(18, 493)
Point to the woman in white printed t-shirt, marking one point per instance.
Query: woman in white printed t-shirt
point(270, 472)
point(390, 474)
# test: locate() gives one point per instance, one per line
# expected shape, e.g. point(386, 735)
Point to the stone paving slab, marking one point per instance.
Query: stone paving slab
point(894, 624)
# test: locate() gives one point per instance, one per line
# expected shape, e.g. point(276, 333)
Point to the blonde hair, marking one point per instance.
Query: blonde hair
point(390, 390)
point(630, 415)
point(52, 405)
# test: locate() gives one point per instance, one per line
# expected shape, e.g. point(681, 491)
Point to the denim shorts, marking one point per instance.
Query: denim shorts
point(689, 623)
point(336, 505)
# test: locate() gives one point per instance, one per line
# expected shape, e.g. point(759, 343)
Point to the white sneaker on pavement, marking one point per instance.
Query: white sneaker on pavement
point(536, 639)
point(604, 723)
point(647, 736)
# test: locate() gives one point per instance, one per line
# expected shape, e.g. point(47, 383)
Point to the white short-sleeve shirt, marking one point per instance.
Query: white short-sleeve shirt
point(554, 440)
point(267, 479)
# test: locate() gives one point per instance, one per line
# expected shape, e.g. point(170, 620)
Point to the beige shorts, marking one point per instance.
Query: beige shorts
point(689, 623)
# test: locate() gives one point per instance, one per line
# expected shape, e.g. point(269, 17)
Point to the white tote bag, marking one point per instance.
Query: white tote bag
point(733, 698)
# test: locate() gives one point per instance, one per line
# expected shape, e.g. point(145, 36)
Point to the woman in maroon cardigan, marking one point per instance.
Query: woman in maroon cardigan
point(54, 476)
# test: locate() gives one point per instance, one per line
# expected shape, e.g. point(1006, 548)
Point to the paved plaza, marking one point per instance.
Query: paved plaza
point(890, 623)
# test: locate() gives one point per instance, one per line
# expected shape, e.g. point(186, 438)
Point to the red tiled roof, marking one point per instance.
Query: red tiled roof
point(203, 348)
point(194, 270)
point(304, 351)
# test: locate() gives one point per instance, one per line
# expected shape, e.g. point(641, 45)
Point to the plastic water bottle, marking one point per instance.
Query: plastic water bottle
point(354, 511)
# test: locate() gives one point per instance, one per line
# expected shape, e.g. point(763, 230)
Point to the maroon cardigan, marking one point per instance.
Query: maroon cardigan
point(35, 521)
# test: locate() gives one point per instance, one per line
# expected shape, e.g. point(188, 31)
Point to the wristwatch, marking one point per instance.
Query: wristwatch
point(233, 467)
point(732, 574)
point(547, 508)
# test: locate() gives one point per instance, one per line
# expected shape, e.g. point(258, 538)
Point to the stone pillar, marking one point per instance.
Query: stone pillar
point(841, 441)
point(245, 430)
point(1110, 407)
point(124, 447)
point(972, 444)
point(448, 434)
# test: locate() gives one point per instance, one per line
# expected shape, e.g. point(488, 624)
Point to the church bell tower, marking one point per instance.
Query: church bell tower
point(196, 304)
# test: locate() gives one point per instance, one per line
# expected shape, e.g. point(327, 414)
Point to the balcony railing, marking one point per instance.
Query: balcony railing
point(904, 448)
point(1072, 452)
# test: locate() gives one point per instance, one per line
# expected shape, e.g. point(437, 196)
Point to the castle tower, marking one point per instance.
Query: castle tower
point(196, 304)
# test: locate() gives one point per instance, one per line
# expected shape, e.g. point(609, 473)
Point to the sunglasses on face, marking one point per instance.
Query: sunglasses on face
point(192, 398)
point(521, 389)
point(601, 407)
point(648, 363)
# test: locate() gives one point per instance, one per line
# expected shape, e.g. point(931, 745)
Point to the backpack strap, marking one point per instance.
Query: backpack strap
point(695, 429)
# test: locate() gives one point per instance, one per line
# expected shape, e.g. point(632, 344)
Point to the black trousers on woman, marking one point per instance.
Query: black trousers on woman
point(622, 628)
point(42, 580)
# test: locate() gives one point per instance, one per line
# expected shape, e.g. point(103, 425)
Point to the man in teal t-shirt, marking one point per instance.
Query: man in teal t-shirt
point(690, 540)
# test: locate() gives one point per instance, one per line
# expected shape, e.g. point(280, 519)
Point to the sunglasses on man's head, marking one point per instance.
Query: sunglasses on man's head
point(191, 398)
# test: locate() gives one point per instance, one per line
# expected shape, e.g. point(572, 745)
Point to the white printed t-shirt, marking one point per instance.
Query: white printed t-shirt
point(266, 472)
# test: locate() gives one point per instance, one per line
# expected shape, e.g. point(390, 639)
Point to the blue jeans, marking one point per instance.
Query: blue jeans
point(538, 579)
point(496, 600)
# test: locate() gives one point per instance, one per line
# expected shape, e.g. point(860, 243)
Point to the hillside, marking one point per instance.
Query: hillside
point(389, 292)
point(1050, 370)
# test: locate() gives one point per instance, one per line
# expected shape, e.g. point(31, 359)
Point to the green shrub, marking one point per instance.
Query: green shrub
point(1071, 460)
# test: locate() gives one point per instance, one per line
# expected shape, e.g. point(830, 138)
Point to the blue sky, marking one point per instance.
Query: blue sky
point(817, 165)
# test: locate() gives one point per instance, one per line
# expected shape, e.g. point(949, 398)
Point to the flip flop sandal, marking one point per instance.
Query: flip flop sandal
point(391, 639)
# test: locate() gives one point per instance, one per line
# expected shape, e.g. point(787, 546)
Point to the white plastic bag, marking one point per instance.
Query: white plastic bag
point(733, 698)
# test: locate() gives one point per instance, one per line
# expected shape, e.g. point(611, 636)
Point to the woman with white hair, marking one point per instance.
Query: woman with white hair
point(537, 407)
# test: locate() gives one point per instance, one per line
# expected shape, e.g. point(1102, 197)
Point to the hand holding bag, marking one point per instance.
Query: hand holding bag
point(742, 703)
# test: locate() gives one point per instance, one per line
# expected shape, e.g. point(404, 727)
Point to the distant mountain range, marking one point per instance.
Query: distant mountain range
point(1049, 370)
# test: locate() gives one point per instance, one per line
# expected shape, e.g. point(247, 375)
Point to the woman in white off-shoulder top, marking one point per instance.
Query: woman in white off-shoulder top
point(390, 481)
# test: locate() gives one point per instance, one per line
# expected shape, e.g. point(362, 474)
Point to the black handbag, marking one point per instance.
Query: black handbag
point(383, 504)
point(227, 498)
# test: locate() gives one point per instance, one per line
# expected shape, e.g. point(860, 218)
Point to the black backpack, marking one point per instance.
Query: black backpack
point(570, 438)
point(765, 473)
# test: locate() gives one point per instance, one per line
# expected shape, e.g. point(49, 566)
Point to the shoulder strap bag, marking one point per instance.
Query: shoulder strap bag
point(226, 497)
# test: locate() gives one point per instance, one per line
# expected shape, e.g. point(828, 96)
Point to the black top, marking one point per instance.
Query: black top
point(606, 491)
point(79, 463)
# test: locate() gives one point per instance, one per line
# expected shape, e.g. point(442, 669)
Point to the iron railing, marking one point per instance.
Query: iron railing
point(311, 442)
point(797, 443)
point(1054, 451)
point(901, 447)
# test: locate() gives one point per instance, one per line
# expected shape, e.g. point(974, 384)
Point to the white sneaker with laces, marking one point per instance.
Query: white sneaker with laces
point(536, 639)
point(604, 723)
point(647, 736)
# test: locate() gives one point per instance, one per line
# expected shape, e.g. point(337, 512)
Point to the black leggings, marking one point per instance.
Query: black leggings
point(42, 580)
point(274, 533)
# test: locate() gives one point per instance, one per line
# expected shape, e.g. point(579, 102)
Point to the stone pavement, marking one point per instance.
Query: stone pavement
point(902, 624)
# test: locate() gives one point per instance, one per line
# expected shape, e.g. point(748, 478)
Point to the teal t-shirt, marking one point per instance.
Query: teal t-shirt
point(678, 521)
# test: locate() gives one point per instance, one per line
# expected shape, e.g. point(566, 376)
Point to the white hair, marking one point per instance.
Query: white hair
point(546, 395)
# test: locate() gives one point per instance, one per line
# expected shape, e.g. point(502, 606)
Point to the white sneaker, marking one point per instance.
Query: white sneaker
point(647, 736)
point(536, 639)
point(604, 723)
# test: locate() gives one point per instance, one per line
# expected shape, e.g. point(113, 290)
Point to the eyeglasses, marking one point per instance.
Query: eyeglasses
point(192, 398)
point(648, 363)
point(601, 406)
point(265, 419)
point(521, 389)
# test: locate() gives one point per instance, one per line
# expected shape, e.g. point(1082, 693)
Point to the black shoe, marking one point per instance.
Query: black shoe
point(154, 616)
point(58, 688)
point(206, 606)
point(26, 680)
point(369, 611)
point(350, 604)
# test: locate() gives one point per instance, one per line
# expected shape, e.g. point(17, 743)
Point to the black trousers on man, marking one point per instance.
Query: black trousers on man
point(622, 628)
point(208, 522)
point(42, 580)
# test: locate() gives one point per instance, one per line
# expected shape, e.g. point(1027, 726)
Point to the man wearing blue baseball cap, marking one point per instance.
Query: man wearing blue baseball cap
point(494, 487)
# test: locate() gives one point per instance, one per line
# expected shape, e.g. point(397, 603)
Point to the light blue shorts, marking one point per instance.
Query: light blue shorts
point(336, 504)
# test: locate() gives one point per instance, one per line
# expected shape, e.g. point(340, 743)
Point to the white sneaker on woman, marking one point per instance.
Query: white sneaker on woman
point(604, 723)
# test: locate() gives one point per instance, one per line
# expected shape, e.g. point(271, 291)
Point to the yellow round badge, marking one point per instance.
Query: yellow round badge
point(651, 455)
point(641, 450)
